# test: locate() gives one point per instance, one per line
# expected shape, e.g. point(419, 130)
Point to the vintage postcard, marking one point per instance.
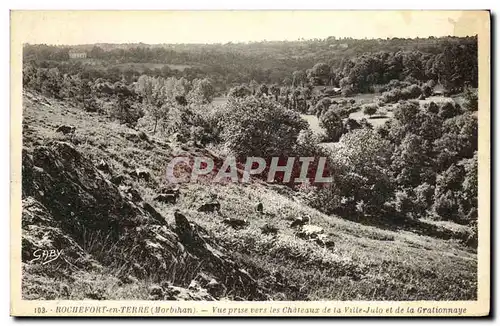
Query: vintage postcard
point(250, 163)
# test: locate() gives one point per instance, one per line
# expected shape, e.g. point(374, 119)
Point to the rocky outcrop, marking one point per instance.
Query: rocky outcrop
point(67, 201)
point(44, 241)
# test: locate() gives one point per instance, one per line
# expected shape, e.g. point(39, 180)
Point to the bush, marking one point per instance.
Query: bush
point(471, 99)
point(322, 106)
point(351, 124)
point(199, 124)
point(426, 90)
point(403, 203)
point(307, 143)
point(260, 127)
point(448, 193)
point(347, 91)
point(240, 91)
point(406, 112)
point(128, 114)
point(361, 170)
point(449, 110)
point(395, 95)
point(433, 108)
point(370, 109)
point(333, 125)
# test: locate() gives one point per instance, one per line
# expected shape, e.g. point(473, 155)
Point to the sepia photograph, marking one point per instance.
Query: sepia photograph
point(163, 156)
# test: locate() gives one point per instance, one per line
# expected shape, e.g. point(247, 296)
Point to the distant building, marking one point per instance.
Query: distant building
point(74, 54)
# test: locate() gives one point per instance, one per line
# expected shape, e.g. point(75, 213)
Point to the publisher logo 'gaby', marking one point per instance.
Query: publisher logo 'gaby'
point(46, 256)
point(310, 170)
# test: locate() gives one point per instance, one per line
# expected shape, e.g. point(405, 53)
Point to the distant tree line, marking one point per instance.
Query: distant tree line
point(361, 65)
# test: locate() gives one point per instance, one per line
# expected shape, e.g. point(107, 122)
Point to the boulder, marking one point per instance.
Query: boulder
point(210, 207)
point(259, 207)
point(170, 191)
point(269, 229)
point(166, 198)
point(141, 174)
point(103, 166)
point(325, 240)
point(300, 221)
point(310, 232)
point(66, 129)
point(153, 212)
point(118, 179)
point(133, 194)
point(177, 137)
point(235, 223)
point(201, 245)
point(136, 137)
point(41, 233)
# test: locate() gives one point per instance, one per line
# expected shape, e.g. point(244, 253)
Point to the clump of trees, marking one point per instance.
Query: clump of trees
point(259, 126)
point(395, 95)
point(333, 125)
point(160, 95)
point(422, 163)
point(454, 66)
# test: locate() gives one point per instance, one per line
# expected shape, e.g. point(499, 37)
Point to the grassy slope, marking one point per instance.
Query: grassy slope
point(366, 263)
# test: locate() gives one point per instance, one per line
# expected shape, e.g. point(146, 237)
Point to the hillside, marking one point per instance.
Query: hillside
point(81, 194)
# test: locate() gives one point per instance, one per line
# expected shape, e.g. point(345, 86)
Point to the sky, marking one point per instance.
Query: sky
point(152, 27)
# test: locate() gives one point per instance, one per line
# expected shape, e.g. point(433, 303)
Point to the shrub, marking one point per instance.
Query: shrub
point(347, 90)
point(471, 99)
point(448, 193)
point(199, 124)
point(125, 113)
point(307, 143)
point(240, 91)
point(260, 127)
point(322, 106)
point(403, 203)
point(423, 196)
point(370, 109)
point(406, 113)
point(433, 108)
point(351, 124)
point(449, 110)
point(333, 125)
point(391, 96)
point(426, 90)
point(395, 95)
point(361, 161)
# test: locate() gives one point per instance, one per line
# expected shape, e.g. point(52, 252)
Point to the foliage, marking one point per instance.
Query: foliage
point(333, 125)
point(370, 109)
point(260, 127)
point(471, 99)
point(452, 61)
point(361, 161)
